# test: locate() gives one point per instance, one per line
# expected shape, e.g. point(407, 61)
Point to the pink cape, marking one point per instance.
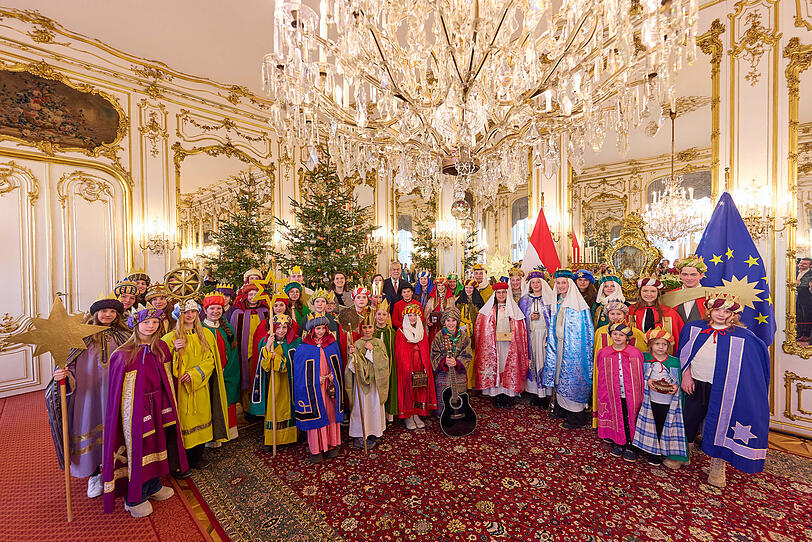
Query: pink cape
point(610, 415)
point(486, 362)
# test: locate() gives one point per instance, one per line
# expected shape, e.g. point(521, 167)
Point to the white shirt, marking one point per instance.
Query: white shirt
point(704, 362)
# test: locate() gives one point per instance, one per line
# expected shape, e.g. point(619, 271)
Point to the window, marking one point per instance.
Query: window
point(519, 229)
point(405, 239)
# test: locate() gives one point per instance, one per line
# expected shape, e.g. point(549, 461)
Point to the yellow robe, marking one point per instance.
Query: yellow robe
point(601, 336)
point(194, 399)
point(486, 292)
point(469, 321)
point(286, 432)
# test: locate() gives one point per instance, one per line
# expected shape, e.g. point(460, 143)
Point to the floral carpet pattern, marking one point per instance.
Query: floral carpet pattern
point(520, 476)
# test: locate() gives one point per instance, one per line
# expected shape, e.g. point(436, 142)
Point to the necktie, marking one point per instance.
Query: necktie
point(648, 319)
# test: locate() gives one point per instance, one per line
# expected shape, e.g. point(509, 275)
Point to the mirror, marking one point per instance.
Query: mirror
point(799, 264)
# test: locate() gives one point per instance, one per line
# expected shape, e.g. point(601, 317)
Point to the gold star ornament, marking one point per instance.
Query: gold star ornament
point(744, 290)
point(268, 287)
point(57, 334)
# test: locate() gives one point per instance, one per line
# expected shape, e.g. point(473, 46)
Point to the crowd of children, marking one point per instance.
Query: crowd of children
point(149, 395)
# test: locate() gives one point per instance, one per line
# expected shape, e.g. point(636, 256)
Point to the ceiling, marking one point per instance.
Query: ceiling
point(225, 41)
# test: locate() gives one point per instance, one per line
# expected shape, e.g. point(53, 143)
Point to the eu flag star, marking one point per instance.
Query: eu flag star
point(729, 253)
point(761, 319)
point(751, 261)
point(717, 259)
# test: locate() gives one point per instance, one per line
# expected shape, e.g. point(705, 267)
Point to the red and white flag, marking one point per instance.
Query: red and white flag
point(576, 248)
point(541, 248)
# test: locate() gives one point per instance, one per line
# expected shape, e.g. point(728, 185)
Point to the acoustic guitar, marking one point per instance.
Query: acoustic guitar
point(458, 418)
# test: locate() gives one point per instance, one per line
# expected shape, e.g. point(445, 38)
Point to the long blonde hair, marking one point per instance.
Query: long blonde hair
point(136, 339)
point(180, 332)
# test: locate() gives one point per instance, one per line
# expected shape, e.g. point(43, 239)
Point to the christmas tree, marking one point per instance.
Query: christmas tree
point(330, 231)
point(244, 239)
point(470, 251)
point(424, 253)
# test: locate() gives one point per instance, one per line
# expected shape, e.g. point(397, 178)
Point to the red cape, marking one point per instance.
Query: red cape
point(486, 361)
point(406, 363)
point(673, 323)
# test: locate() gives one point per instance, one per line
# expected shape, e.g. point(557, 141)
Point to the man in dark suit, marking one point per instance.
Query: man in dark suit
point(392, 285)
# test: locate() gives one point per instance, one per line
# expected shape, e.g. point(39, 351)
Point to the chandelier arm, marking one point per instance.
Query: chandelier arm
point(560, 59)
point(451, 48)
point(487, 51)
point(399, 92)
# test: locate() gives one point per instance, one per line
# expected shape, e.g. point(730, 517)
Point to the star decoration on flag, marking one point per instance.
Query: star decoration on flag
point(761, 319)
point(751, 261)
point(744, 290)
point(58, 334)
point(268, 287)
point(717, 259)
point(729, 253)
point(743, 433)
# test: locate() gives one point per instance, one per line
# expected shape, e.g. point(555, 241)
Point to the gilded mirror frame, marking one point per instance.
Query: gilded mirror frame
point(800, 58)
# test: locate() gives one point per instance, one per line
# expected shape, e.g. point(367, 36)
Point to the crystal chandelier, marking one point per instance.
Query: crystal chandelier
point(674, 215)
point(469, 91)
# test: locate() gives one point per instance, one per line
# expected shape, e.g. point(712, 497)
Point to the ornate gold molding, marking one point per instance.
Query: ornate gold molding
point(107, 150)
point(800, 22)
point(154, 131)
point(7, 184)
point(711, 44)
point(91, 187)
point(227, 149)
point(800, 58)
point(225, 123)
point(755, 40)
point(791, 378)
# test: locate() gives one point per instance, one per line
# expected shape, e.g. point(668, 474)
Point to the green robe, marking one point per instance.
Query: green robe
point(301, 318)
point(231, 371)
point(387, 335)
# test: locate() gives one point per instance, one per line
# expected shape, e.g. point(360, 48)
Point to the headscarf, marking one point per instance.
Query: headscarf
point(513, 310)
point(617, 295)
point(622, 327)
point(414, 333)
point(418, 288)
point(573, 298)
point(476, 297)
point(547, 294)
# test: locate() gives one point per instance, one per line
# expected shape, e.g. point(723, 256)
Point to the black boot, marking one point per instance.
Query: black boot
point(558, 413)
point(575, 420)
point(497, 402)
point(544, 403)
point(506, 402)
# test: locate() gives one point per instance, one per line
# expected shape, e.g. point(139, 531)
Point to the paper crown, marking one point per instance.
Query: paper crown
point(440, 280)
point(478, 267)
point(360, 291)
point(324, 294)
point(190, 305)
point(616, 305)
point(471, 282)
point(281, 319)
point(138, 274)
point(412, 308)
point(252, 271)
point(144, 314)
point(535, 274)
point(214, 298)
point(125, 287)
point(500, 285)
point(225, 289)
point(156, 290)
point(723, 300)
point(622, 327)
point(315, 320)
point(296, 270)
point(291, 285)
point(453, 276)
point(422, 274)
point(106, 302)
point(383, 305)
point(515, 271)
point(697, 262)
point(650, 281)
point(659, 333)
point(367, 317)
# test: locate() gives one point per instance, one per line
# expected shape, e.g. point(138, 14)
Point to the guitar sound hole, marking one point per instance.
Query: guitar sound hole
point(457, 405)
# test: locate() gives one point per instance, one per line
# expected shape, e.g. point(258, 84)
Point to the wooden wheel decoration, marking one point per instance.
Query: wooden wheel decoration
point(183, 283)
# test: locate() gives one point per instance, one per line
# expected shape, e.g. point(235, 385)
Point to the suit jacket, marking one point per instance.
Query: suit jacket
point(391, 293)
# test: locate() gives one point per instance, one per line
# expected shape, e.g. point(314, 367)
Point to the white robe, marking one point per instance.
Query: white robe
point(538, 351)
point(374, 412)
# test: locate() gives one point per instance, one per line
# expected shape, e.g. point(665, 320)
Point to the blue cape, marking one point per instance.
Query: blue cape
point(309, 410)
point(738, 418)
point(575, 375)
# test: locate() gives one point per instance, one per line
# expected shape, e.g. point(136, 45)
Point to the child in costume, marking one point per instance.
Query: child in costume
point(585, 281)
point(609, 289)
point(501, 348)
point(439, 300)
point(659, 430)
point(276, 362)
point(158, 297)
point(299, 310)
point(619, 379)
point(87, 387)
point(424, 289)
point(318, 304)
point(469, 302)
point(245, 320)
point(385, 332)
point(515, 276)
point(318, 389)
point(202, 403)
point(370, 365)
point(126, 292)
point(726, 378)
point(536, 306)
point(407, 298)
point(450, 353)
point(568, 365)
point(225, 341)
point(142, 436)
point(617, 312)
point(416, 393)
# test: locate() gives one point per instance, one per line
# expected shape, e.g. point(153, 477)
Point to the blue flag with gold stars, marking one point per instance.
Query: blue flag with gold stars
point(735, 264)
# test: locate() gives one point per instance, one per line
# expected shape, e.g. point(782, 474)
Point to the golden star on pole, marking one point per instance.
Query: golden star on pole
point(57, 334)
point(268, 287)
point(743, 289)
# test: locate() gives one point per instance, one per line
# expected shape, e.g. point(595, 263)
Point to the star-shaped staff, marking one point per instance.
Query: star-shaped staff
point(57, 335)
point(268, 287)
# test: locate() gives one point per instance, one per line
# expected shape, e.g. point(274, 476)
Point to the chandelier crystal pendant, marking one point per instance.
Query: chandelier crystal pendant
point(432, 90)
point(674, 215)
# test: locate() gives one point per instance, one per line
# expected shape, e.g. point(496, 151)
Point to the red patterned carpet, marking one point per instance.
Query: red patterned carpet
point(519, 477)
point(32, 491)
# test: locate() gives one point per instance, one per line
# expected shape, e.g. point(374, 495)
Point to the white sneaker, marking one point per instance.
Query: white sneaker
point(390, 418)
point(139, 510)
point(410, 425)
point(95, 488)
point(418, 422)
point(213, 444)
point(162, 494)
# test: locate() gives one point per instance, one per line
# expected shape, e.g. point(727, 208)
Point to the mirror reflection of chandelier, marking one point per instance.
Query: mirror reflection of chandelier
point(673, 215)
point(436, 90)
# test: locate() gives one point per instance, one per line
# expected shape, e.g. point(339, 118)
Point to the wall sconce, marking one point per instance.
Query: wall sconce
point(755, 206)
point(443, 234)
point(157, 239)
point(374, 242)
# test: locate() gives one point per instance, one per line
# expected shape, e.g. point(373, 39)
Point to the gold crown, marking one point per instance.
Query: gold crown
point(223, 285)
point(723, 300)
point(321, 292)
point(368, 317)
point(383, 305)
point(412, 308)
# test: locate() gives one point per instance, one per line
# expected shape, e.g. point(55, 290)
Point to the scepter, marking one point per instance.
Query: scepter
point(59, 334)
point(348, 321)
